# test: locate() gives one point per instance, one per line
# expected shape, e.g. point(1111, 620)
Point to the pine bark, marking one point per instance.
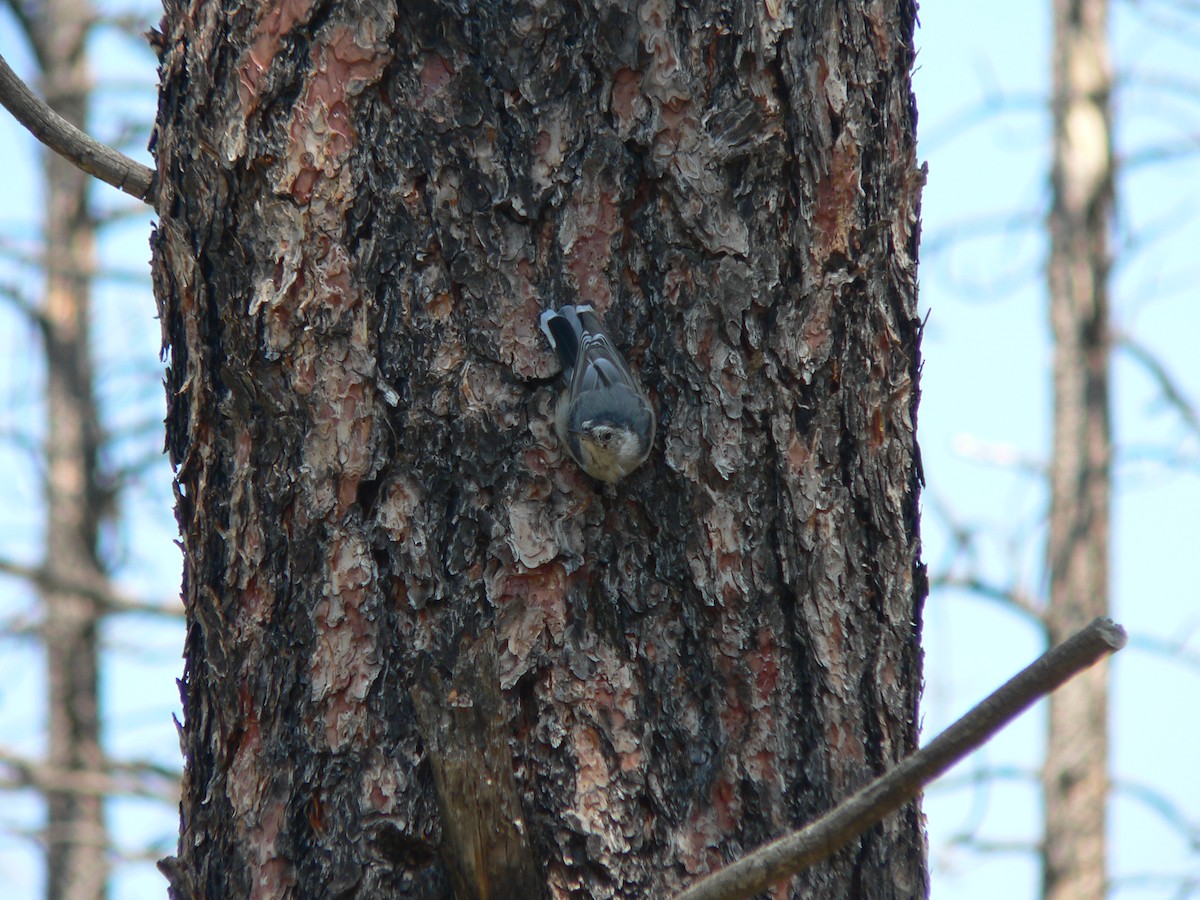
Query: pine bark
point(77, 501)
point(426, 656)
point(1075, 776)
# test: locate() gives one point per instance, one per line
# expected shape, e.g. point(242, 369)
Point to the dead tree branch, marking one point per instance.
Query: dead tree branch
point(109, 600)
point(69, 142)
point(886, 794)
point(143, 779)
point(1170, 389)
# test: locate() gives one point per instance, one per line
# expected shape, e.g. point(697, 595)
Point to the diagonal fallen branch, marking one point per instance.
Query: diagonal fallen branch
point(886, 794)
point(69, 142)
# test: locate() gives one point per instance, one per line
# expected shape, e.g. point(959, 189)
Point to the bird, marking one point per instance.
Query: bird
point(603, 416)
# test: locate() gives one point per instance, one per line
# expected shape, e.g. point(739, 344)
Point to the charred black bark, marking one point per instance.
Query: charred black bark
point(364, 209)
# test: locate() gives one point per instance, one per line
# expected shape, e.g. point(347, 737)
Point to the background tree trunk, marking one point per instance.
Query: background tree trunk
point(76, 500)
point(426, 655)
point(1075, 777)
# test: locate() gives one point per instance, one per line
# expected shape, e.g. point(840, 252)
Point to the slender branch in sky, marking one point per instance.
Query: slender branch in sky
point(884, 795)
point(1170, 389)
point(69, 142)
point(109, 600)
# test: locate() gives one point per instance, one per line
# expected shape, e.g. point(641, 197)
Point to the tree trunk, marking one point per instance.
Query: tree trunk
point(1075, 777)
point(76, 837)
point(426, 655)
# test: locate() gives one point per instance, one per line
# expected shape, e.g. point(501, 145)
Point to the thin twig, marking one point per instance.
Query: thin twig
point(1014, 598)
point(14, 295)
point(1171, 390)
point(990, 847)
point(886, 794)
point(141, 779)
point(110, 600)
point(1170, 649)
point(1164, 807)
point(81, 149)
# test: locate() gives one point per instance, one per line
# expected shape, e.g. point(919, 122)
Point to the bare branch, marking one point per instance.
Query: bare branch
point(965, 575)
point(1171, 391)
point(1164, 807)
point(1162, 227)
point(110, 600)
point(69, 142)
point(128, 779)
point(1002, 456)
point(993, 106)
point(1013, 597)
point(976, 844)
point(1184, 885)
point(980, 782)
point(1156, 154)
point(886, 794)
point(1175, 651)
point(979, 227)
point(24, 16)
point(36, 259)
point(985, 776)
point(16, 298)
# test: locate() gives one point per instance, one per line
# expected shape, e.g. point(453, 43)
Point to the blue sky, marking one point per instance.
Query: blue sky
point(981, 83)
point(980, 86)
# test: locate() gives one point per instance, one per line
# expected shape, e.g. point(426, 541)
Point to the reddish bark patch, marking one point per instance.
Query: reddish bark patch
point(589, 250)
point(626, 102)
point(837, 201)
point(435, 75)
point(278, 20)
point(321, 130)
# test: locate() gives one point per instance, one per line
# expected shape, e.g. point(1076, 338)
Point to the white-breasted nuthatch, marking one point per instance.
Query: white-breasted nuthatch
point(603, 417)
